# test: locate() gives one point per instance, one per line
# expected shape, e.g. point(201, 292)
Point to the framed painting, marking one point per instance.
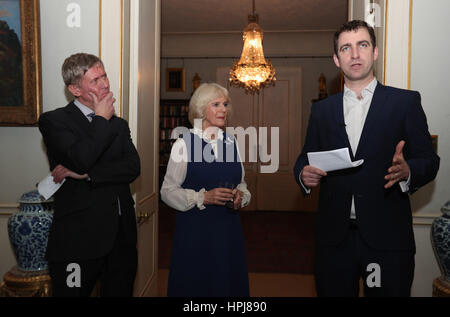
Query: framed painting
point(20, 63)
point(175, 79)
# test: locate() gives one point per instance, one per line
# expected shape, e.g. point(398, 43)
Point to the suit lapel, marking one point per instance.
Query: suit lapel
point(374, 118)
point(78, 117)
point(339, 117)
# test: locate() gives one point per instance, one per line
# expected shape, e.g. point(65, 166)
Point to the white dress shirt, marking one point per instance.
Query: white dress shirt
point(84, 109)
point(355, 114)
point(184, 199)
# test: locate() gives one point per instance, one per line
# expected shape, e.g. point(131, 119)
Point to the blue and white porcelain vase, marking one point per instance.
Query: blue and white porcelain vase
point(28, 231)
point(440, 238)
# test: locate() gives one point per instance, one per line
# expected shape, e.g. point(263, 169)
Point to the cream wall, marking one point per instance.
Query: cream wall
point(429, 75)
point(23, 161)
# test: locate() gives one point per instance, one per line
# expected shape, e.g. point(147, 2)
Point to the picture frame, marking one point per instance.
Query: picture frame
point(175, 79)
point(20, 68)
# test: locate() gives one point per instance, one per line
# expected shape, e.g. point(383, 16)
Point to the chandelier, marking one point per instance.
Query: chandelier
point(252, 71)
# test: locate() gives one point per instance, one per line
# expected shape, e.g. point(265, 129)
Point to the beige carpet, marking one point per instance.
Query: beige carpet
point(264, 284)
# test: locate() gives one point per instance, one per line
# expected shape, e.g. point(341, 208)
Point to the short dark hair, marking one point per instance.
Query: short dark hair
point(77, 65)
point(354, 26)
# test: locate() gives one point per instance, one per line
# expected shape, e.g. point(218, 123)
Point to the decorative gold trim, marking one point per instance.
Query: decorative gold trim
point(18, 283)
point(8, 206)
point(100, 28)
point(121, 60)
point(28, 113)
point(385, 39)
point(427, 216)
point(37, 56)
point(350, 10)
point(441, 288)
point(121, 50)
point(240, 32)
point(422, 222)
point(14, 280)
point(409, 42)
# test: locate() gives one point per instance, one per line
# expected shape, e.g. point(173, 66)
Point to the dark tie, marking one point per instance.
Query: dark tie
point(91, 116)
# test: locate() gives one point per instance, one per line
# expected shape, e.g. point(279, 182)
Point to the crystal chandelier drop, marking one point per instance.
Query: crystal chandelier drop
point(252, 71)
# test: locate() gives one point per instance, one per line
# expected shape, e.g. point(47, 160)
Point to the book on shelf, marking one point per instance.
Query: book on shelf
point(173, 122)
point(174, 110)
point(173, 114)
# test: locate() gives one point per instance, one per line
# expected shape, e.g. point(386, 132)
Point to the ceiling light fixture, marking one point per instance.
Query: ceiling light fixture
point(252, 71)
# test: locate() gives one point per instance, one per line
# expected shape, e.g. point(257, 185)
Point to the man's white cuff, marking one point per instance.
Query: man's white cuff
point(307, 190)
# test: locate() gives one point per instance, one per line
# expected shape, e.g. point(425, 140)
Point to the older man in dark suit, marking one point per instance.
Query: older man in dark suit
point(364, 221)
point(94, 225)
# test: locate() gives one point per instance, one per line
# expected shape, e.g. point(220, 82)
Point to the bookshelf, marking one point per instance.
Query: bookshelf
point(172, 113)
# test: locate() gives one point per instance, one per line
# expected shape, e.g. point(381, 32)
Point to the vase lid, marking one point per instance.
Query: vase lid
point(34, 197)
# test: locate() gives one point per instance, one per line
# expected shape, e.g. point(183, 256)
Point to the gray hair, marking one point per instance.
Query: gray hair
point(202, 96)
point(75, 66)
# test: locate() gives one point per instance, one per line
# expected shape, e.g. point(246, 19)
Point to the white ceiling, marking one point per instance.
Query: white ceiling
point(232, 15)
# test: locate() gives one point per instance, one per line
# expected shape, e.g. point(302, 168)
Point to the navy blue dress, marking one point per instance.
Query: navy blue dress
point(208, 255)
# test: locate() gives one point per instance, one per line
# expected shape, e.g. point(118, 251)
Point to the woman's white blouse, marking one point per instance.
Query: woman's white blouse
point(183, 199)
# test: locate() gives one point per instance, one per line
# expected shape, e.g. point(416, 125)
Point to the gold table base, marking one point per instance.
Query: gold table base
point(18, 283)
point(441, 287)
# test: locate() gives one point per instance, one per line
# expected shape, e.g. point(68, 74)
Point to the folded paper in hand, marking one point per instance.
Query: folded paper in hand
point(332, 160)
point(47, 187)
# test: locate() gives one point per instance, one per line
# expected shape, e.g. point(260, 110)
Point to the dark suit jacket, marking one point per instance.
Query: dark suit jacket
point(383, 215)
point(86, 213)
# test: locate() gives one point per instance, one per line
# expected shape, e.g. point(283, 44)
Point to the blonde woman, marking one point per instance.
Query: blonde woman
point(205, 183)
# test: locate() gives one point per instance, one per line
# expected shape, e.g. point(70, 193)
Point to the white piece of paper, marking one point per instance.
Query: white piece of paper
point(332, 160)
point(47, 187)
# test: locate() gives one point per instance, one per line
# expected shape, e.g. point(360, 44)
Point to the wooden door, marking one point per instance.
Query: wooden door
point(130, 51)
point(245, 115)
point(144, 57)
point(281, 106)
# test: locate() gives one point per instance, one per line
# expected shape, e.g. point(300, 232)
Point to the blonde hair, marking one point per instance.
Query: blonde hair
point(202, 96)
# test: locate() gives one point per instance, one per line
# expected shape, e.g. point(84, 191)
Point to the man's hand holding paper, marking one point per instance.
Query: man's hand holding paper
point(311, 176)
point(332, 160)
point(50, 184)
point(326, 161)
